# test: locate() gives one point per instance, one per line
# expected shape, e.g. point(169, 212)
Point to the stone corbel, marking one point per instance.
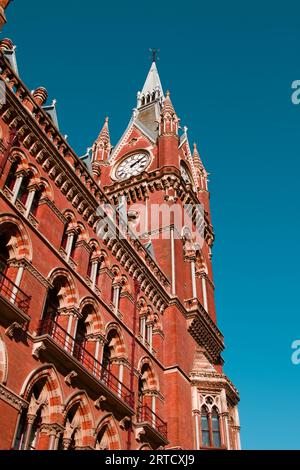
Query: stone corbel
point(125, 423)
point(68, 378)
point(37, 348)
point(10, 331)
point(99, 402)
point(139, 434)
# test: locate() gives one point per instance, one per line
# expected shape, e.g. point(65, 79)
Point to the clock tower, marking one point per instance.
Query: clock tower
point(165, 184)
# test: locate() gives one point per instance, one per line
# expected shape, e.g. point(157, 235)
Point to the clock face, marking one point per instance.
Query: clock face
point(185, 175)
point(132, 166)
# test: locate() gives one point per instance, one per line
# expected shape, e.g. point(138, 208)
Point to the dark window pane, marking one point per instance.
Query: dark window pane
point(205, 438)
point(216, 439)
point(215, 423)
point(204, 423)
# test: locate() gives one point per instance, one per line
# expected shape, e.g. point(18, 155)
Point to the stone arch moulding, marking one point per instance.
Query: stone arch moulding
point(3, 361)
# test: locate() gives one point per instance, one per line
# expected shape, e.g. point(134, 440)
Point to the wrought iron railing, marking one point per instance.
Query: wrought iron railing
point(75, 348)
point(14, 294)
point(145, 414)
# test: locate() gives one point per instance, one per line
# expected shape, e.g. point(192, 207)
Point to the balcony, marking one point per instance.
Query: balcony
point(14, 303)
point(154, 428)
point(204, 331)
point(79, 364)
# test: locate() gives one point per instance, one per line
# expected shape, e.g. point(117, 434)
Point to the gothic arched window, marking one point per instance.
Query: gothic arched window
point(215, 425)
point(11, 177)
point(205, 427)
point(36, 201)
point(24, 191)
point(210, 428)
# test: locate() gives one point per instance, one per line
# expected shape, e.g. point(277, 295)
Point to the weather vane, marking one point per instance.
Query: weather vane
point(154, 54)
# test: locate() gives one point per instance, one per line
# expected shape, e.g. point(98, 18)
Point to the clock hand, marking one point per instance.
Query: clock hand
point(135, 163)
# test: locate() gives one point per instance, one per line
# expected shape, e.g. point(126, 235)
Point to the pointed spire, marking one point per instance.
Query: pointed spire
point(102, 146)
point(152, 89)
point(169, 122)
point(104, 134)
point(202, 173)
point(168, 106)
point(197, 160)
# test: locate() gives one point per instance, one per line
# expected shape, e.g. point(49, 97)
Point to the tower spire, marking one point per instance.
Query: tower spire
point(102, 146)
point(152, 89)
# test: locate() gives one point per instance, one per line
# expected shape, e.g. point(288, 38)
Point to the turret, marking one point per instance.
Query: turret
point(168, 134)
point(101, 149)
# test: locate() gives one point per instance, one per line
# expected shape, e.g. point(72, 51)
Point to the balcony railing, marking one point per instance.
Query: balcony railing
point(146, 415)
point(14, 294)
point(84, 357)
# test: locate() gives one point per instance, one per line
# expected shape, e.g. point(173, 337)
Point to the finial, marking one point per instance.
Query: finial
point(167, 93)
point(154, 54)
point(185, 129)
point(106, 119)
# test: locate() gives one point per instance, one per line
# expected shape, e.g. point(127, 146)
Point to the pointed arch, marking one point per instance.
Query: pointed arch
point(79, 421)
point(16, 237)
point(17, 154)
point(69, 291)
point(48, 373)
point(107, 434)
point(117, 344)
point(148, 375)
point(90, 310)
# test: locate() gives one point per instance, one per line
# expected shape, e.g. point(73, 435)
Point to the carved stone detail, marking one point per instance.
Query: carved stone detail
point(37, 349)
point(72, 375)
point(99, 402)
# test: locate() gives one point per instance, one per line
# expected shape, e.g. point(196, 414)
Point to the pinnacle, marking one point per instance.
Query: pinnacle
point(168, 106)
point(104, 134)
point(197, 159)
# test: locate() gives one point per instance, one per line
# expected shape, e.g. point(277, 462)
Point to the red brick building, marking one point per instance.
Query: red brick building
point(106, 342)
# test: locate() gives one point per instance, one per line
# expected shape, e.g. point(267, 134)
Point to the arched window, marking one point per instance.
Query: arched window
point(64, 240)
point(36, 201)
point(93, 267)
point(24, 191)
point(146, 383)
point(215, 421)
point(70, 438)
point(210, 428)
point(69, 238)
point(4, 253)
point(205, 427)
point(59, 297)
point(11, 177)
point(52, 304)
point(80, 338)
point(103, 439)
point(27, 435)
point(74, 241)
point(107, 353)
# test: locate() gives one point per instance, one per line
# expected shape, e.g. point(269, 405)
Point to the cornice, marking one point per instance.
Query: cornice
point(12, 398)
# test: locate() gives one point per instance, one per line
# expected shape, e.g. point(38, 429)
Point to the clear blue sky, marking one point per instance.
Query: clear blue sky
point(229, 66)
